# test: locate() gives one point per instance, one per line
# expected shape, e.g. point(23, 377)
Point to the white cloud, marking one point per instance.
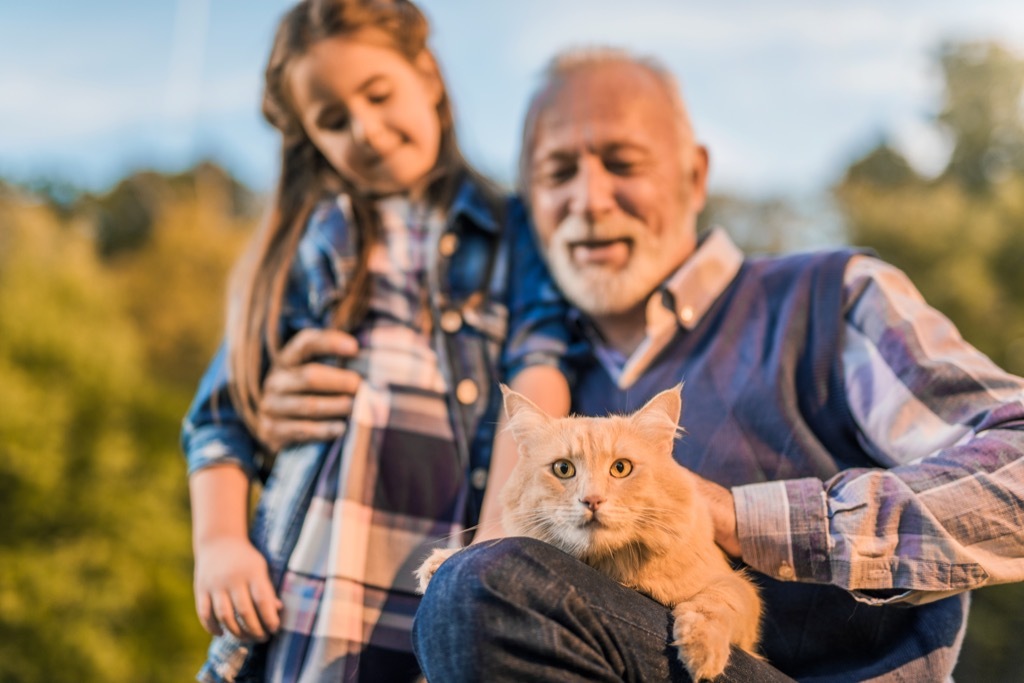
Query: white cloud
point(44, 112)
point(782, 90)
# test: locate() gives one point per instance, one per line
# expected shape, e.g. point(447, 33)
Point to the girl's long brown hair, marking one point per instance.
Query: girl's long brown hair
point(258, 282)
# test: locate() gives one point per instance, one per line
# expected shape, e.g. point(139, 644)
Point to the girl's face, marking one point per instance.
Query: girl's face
point(370, 111)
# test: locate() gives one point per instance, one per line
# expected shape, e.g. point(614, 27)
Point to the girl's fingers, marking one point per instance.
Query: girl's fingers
point(204, 608)
point(224, 610)
point(249, 625)
point(267, 604)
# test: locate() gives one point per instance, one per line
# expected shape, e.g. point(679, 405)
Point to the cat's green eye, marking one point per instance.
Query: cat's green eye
point(563, 469)
point(621, 468)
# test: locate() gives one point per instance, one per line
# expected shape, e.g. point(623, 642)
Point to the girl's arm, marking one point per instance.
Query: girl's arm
point(547, 387)
point(232, 582)
point(533, 358)
point(230, 574)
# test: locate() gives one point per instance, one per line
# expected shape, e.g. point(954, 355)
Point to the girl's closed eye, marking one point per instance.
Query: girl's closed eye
point(333, 118)
point(378, 92)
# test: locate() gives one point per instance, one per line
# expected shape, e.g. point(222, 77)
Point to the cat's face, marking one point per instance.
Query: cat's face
point(592, 485)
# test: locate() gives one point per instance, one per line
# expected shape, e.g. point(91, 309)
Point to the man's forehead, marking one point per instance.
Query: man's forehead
point(605, 104)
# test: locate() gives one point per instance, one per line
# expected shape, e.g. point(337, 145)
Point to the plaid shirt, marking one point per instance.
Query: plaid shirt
point(934, 505)
point(467, 280)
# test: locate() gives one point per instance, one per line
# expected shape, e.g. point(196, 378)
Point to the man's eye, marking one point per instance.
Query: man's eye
point(621, 167)
point(558, 175)
point(378, 97)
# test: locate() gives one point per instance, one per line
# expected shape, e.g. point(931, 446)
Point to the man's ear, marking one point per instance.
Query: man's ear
point(427, 67)
point(699, 166)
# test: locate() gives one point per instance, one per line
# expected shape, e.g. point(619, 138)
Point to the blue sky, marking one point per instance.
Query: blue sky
point(784, 92)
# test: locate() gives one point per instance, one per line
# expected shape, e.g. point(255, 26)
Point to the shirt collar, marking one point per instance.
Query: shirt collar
point(471, 202)
point(681, 301)
point(691, 290)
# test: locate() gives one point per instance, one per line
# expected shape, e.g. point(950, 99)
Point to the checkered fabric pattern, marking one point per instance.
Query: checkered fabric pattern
point(389, 491)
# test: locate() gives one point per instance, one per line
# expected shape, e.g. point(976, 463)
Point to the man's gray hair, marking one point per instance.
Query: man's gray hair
point(576, 59)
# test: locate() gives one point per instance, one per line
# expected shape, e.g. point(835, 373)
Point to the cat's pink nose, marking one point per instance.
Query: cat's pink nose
point(593, 501)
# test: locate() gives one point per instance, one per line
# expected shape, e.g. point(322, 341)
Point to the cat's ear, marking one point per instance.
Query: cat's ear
point(660, 416)
point(524, 417)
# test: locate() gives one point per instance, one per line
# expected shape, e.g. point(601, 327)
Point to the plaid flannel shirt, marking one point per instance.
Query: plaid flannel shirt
point(470, 279)
point(931, 503)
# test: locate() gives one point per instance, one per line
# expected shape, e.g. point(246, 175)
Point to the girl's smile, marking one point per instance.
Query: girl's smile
point(370, 111)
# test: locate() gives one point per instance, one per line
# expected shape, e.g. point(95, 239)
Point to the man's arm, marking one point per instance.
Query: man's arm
point(942, 512)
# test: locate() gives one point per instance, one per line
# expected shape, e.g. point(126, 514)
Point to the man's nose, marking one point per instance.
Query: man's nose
point(593, 191)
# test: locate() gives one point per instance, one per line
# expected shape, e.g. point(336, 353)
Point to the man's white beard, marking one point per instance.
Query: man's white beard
point(601, 289)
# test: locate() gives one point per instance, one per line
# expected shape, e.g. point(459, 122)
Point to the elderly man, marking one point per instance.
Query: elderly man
point(855, 451)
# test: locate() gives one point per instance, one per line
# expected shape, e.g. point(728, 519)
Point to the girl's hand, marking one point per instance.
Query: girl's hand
point(304, 399)
point(233, 589)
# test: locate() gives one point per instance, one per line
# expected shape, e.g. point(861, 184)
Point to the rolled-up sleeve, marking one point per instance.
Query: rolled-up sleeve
point(944, 510)
point(212, 432)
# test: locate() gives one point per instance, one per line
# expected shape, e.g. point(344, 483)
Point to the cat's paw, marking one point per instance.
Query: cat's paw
point(703, 643)
point(425, 572)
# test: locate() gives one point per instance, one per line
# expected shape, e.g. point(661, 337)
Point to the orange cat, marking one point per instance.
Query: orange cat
point(608, 492)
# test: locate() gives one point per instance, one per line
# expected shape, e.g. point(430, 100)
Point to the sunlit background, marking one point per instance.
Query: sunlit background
point(134, 163)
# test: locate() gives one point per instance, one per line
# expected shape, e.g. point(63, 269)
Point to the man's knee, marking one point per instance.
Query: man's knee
point(496, 568)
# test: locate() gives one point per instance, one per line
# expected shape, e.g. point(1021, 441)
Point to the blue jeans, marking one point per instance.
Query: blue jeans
point(522, 610)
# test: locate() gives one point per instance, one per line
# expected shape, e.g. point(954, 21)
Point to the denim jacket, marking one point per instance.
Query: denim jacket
point(469, 282)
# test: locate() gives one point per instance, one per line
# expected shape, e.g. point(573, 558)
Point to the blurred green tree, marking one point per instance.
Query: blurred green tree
point(99, 359)
point(982, 110)
point(960, 237)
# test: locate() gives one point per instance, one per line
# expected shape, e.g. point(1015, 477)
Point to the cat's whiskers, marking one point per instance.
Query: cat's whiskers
point(534, 521)
point(643, 523)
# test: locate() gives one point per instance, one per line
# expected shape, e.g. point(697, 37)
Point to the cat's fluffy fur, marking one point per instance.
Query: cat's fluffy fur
point(608, 492)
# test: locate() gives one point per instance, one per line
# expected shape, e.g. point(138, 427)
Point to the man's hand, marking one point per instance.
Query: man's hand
point(723, 514)
point(306, 400)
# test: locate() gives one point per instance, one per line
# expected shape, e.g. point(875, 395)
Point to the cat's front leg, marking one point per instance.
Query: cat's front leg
point(425, 572)
point(726, 612)
point(702, 638)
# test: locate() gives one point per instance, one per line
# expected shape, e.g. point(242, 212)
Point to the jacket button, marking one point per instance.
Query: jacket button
point(467, 392)
point(451, 321)
point(478, 478)
point(786, 571)
point(448, 243)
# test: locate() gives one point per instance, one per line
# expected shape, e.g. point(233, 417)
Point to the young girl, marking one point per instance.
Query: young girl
point(380, 228)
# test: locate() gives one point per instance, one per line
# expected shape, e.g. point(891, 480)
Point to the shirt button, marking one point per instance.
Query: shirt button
point(478, 478)
point(448, 243)
point(467, 392)
point(686, 315)
point(786, 571)
point(451, 321)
